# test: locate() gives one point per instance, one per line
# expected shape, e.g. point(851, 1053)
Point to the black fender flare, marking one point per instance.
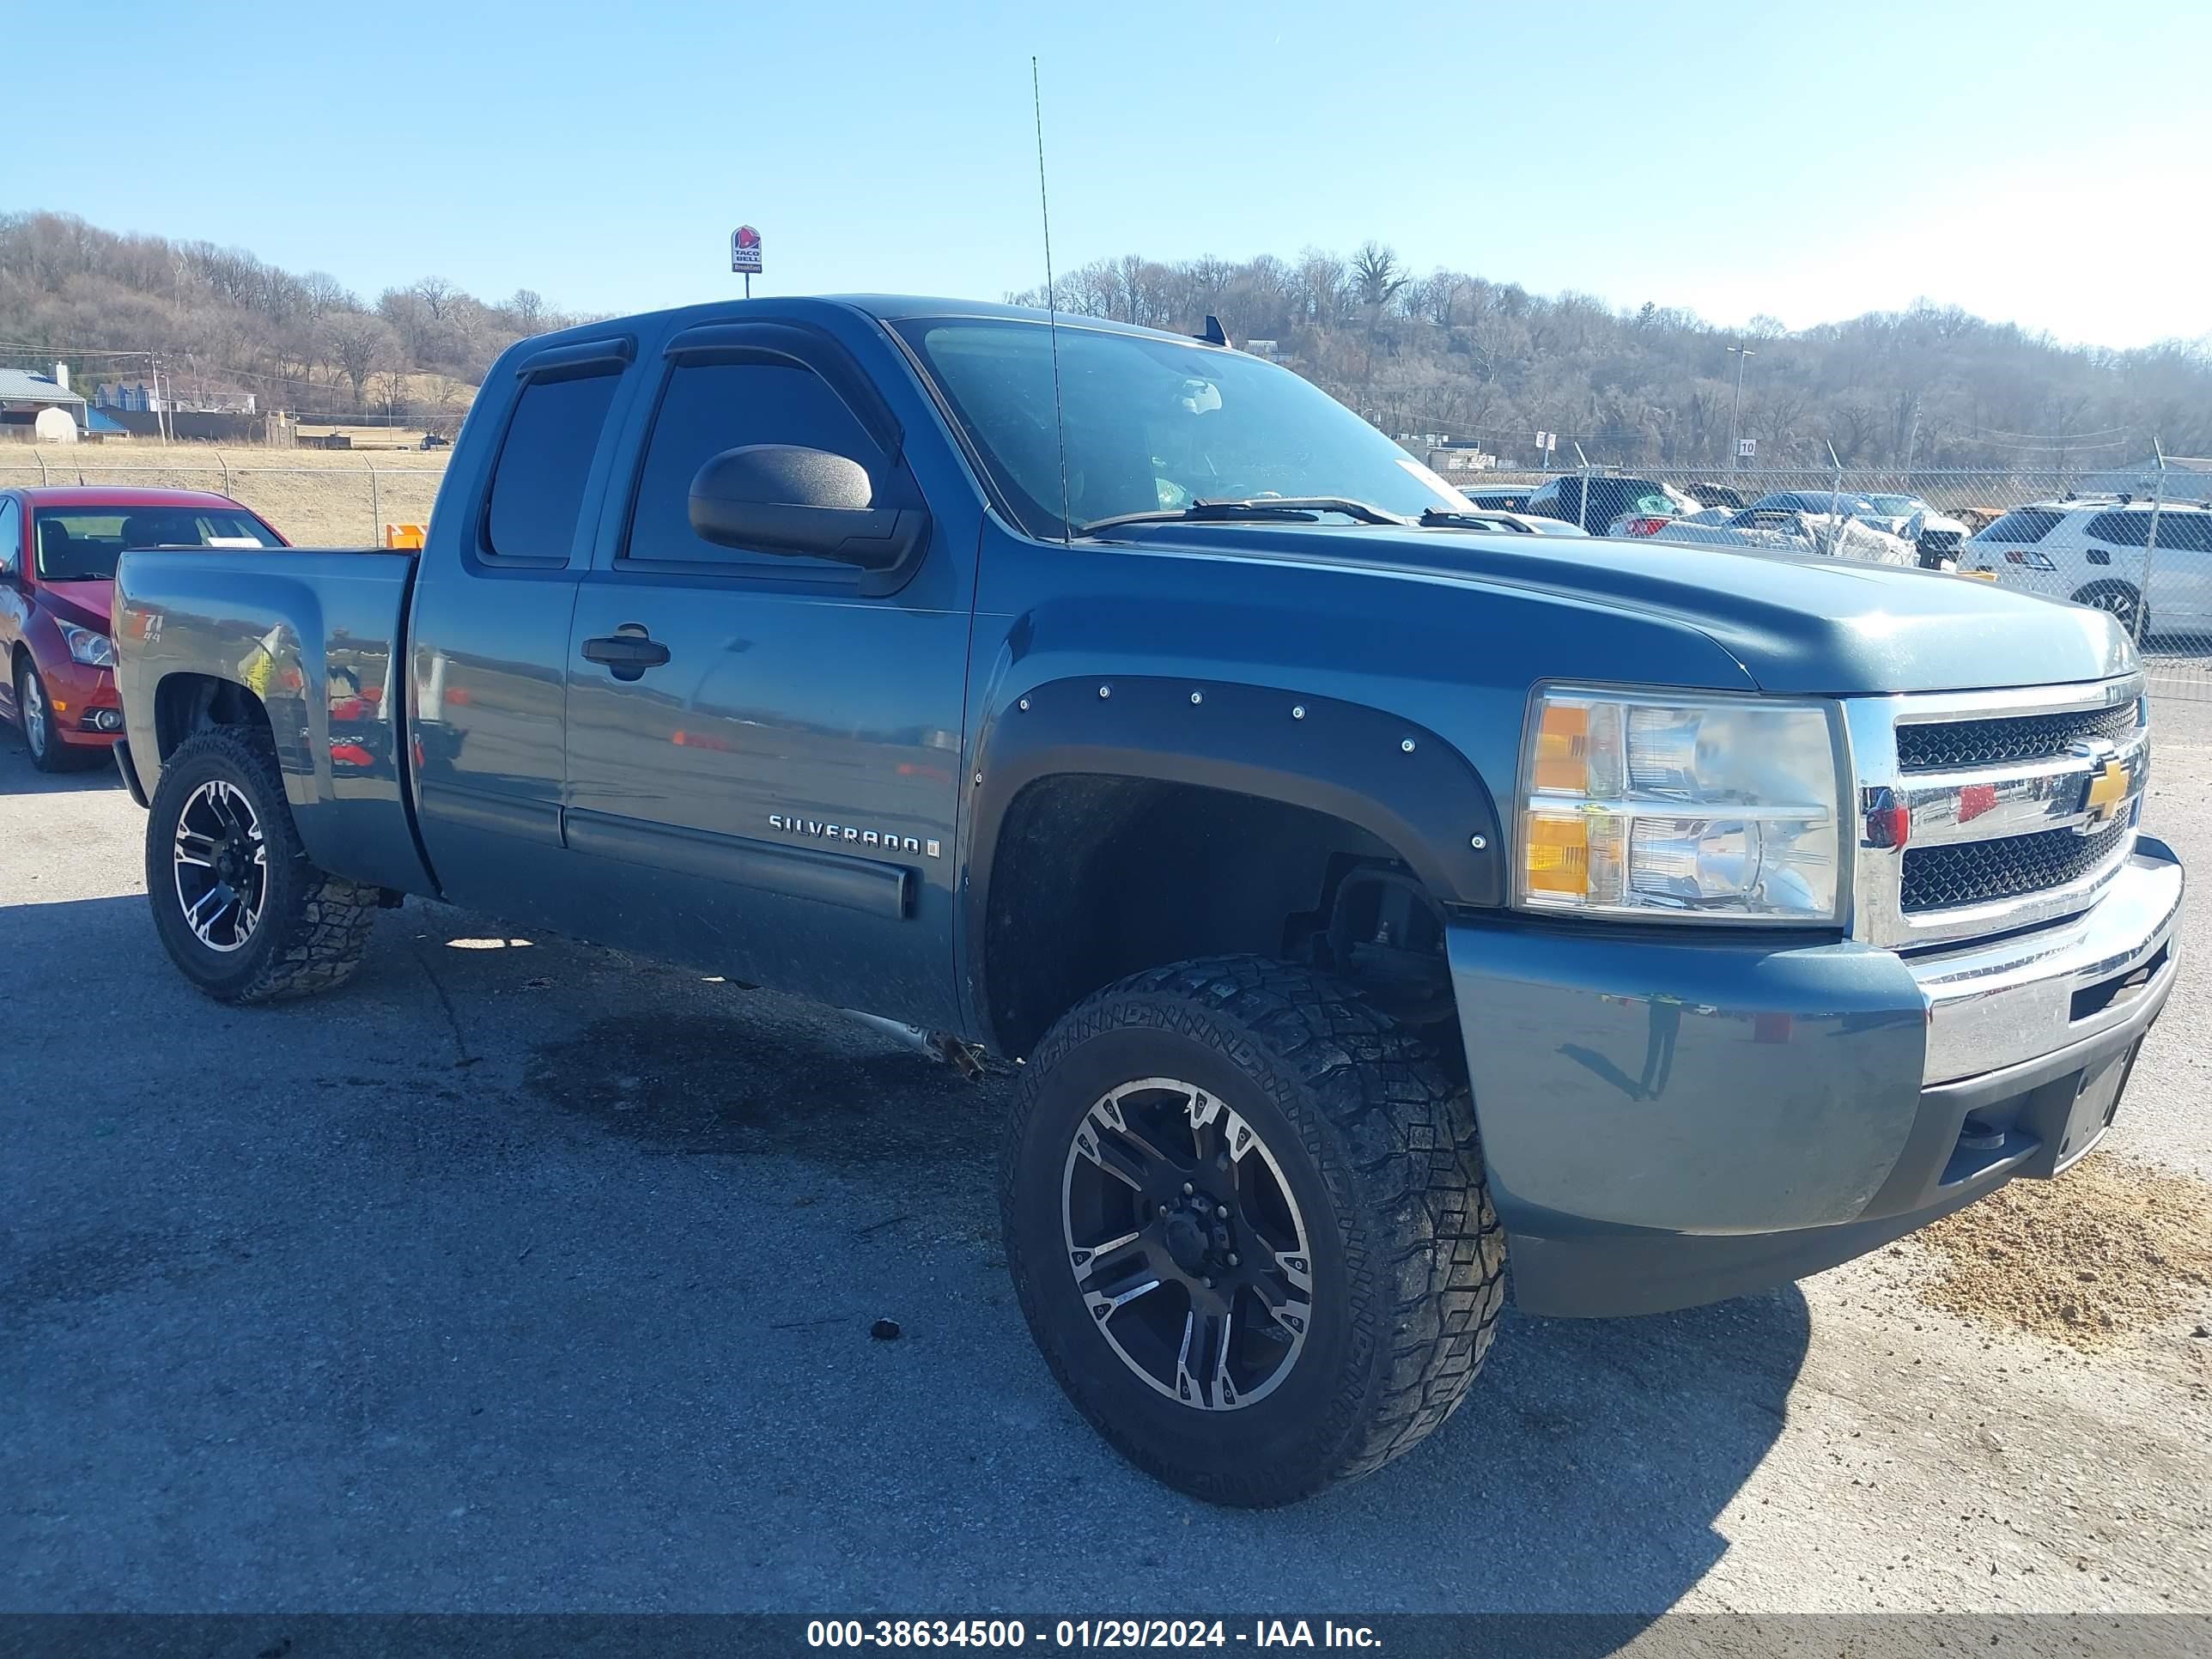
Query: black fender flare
point(1392, 777)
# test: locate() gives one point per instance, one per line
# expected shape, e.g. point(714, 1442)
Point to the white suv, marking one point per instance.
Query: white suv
point(2096, 550)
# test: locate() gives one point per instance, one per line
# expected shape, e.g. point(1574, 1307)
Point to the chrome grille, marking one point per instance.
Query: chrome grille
point(1943, 745)
point(1980, 872)
point(1982, 811)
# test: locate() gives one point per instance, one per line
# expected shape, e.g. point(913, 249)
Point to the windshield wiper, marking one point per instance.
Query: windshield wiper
point(1444, 517)
point(1281, 509)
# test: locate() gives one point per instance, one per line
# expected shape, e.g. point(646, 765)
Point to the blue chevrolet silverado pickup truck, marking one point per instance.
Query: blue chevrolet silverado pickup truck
point(1376, 906)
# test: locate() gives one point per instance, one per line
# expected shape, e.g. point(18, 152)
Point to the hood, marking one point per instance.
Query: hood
point(1801, 625)
point(89, 604)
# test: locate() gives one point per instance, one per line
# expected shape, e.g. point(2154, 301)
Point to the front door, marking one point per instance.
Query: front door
point(764, 755)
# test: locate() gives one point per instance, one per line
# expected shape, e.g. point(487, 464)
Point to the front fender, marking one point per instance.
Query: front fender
point(1392, 777)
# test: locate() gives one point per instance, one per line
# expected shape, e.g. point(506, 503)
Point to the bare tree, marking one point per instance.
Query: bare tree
point(436, 294)
point(325, 293)
point(359, 345)
point(1376, 275)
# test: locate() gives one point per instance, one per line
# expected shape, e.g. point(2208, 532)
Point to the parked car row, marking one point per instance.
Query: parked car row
point(1624, 506)
point(58, 548)
point(1792, 530)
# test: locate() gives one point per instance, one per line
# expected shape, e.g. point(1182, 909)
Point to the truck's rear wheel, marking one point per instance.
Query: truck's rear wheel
point(240, 910)
point(1246, 1220)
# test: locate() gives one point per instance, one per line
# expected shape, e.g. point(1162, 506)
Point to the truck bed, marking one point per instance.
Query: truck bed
point(318, 635)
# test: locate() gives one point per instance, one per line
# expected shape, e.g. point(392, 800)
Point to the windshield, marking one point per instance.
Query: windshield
point(1153, 425)
point(81, 544)
point(1899, 506)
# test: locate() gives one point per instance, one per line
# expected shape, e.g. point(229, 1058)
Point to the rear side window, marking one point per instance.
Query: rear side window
point(537, 482)
point(2024, 523)
point(2122, 529)
point(11, 537)
point(2188, 532)
point(710, 407)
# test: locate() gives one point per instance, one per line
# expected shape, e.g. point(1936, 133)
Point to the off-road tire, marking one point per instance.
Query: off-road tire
point(313, 925)
point(57, 756)
point(1379, 1146)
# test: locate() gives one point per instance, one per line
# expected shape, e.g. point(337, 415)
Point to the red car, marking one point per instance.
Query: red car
point(57, 553)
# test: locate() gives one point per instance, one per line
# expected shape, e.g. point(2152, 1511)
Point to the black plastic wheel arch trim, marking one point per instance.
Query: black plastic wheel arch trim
point(1352, 761)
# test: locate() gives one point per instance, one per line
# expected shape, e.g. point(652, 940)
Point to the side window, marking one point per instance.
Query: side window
point(11, 539)
point(538, 482)
point(2189, 532)
point(708, 407)
point(2024, 523)
point(2121, 529)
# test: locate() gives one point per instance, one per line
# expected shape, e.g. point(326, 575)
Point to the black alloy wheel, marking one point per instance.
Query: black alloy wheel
point(1187, 1243)
point(220, 858)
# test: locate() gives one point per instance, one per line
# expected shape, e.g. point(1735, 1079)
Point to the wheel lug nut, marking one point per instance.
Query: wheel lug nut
point(1163, 1209)
point(1221, 1210)
point(1232, 1258)
point(1207, 1283)
point(1187, 1190)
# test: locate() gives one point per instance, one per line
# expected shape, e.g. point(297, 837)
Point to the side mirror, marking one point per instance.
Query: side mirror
point(806, 503)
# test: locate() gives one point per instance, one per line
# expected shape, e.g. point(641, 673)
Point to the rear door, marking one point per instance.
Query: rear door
point(496, 590)
point(769, 786)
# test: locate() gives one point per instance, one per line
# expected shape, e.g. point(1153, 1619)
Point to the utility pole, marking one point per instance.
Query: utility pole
point(1735, 413)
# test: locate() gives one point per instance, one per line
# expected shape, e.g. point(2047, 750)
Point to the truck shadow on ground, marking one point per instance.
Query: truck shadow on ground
point(541, 1278)
point(1605, 1453)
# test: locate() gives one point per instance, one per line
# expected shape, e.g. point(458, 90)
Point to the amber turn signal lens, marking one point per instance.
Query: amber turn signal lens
point(1558, 854)
point(1563, 748)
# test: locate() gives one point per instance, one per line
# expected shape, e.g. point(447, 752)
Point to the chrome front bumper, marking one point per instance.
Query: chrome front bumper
point(1996, 1004)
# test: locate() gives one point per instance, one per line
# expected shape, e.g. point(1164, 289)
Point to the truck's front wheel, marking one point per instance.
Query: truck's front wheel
point(1246, 1220)
point(240, 910)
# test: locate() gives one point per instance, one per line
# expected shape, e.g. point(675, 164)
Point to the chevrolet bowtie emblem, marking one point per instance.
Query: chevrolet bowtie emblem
point(2108, 788)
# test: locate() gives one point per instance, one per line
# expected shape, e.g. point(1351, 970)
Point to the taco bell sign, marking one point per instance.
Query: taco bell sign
point(745, 251)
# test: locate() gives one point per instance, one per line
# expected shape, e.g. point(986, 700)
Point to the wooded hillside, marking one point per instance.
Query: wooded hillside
point(222, 320)
point(1487, 360)
point(1446, 353)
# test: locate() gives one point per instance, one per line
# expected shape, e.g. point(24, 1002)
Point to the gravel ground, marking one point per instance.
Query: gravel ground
point(524, 1275)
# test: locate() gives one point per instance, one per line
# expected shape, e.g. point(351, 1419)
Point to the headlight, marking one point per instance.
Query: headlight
point(1655, 806)
point(93, 650)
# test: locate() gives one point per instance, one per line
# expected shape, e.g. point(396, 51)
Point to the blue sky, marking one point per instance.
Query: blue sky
point(1809, 163)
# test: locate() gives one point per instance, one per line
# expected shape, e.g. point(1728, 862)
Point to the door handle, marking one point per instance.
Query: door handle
point(626, 653)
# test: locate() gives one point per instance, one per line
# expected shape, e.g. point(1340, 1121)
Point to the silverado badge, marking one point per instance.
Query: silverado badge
point(888, 840)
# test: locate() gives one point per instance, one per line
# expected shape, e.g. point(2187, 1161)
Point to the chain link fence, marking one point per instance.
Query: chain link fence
point(334, 506)
point(2134, 542)
point(2137, 543)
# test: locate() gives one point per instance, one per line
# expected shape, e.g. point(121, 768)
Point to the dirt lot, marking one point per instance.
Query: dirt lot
point(315, 497)
point(525, 1275)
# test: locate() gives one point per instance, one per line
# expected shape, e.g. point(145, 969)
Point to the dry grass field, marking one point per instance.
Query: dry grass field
point(316, 497)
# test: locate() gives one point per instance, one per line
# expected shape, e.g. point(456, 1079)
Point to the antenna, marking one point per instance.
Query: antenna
point(1051, 305)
